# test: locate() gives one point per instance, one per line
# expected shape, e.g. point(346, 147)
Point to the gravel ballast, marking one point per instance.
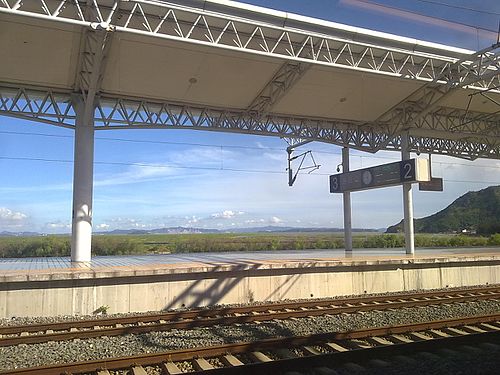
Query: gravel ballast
point(98, 348)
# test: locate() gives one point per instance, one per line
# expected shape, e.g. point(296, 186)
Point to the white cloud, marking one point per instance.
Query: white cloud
point(226, 214)
point(103, 226)
point(56, 227)
point(255, 221)
point(6, 214)
point(11, 219)
point(136, 174)
point(275, 220)
point(192, 220)
point(127, 223)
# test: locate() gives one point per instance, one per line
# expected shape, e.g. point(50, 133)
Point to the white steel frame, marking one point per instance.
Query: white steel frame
point(419, 123)
point(479, 135)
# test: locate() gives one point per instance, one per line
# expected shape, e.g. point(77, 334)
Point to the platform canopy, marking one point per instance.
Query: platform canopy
point(225, 66)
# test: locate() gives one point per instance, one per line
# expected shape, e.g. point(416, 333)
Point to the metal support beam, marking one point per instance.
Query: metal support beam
point(82, 183)
point(478, 68)
point(347, 204)
point(255, 32)
point(434, 133)
point(95, 44)
point(407, 202)
point(281, 83)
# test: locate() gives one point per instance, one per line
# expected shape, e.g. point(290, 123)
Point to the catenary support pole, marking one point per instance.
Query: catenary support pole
point(347, 204)
point(407, 201)
point(82, 183)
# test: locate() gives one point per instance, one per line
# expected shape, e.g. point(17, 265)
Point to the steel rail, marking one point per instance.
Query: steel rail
point(160, 359)
point(226, 316)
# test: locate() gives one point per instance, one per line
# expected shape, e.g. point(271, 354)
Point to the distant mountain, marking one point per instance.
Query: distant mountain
point(182, 230)
point(269, 228)
point(19, 234)
point(474, 211)
point(171, 230)
point(186, 230)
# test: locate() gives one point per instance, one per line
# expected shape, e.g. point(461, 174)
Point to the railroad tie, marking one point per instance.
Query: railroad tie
point(201, 364)
point(139, 370)
point(231, 361)
point(170, 368)
point(402, 338)
point(489, 326)
point(336, 347)
point(475, 329)
point(260, 357)
point(458, 331)
point(420, 335)
point(310, 350)
point(362, 344)
point(439, 333)
point(381, 340)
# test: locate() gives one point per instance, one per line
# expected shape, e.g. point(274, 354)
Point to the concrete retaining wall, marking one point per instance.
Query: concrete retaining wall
point(73, 293)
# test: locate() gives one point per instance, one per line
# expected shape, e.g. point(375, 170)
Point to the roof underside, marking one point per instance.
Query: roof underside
point(161, 55)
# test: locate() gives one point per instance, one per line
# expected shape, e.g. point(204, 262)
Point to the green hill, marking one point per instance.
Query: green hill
point(474, 211)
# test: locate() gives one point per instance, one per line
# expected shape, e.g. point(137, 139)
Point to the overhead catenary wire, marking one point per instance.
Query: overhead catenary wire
point(461, 7)
point(427, 16)
point(222, 147)
point(207, 168)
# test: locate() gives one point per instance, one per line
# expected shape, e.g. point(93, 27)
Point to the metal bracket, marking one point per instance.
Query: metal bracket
point(311, 168)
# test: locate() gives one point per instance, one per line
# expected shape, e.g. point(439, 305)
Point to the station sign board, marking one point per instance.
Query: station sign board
point(435, 184)
point(405, 171)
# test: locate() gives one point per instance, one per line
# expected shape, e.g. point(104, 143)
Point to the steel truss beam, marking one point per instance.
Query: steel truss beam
point(480, 66)
point(118, 113)
point(193, 25)
point(283, 80)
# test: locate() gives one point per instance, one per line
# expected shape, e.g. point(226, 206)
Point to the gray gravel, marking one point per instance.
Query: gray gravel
point(88, 349)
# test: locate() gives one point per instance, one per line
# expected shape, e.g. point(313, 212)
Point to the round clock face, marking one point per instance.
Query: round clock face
point(367, 177)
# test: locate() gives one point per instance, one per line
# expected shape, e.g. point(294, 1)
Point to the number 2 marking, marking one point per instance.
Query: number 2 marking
point(407, 171)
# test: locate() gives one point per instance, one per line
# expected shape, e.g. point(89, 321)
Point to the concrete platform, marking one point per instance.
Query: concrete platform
point(53, 286)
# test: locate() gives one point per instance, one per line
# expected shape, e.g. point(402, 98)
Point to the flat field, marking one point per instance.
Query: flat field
point(11, 247)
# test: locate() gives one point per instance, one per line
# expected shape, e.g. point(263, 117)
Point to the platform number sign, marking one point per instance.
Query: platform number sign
point(391, 174)
point(335, 184)
point(407, 170)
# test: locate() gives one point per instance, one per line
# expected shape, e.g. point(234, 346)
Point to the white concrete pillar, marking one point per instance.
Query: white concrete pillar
point(407, 202)
point(83, 174)
point(347, 204)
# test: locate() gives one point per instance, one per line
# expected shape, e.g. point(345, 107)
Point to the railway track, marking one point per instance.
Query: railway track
point(296, 353)
point(38, 333)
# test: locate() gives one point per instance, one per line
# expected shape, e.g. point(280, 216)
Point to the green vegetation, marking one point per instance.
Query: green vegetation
point(476, 211)
point(186, 243)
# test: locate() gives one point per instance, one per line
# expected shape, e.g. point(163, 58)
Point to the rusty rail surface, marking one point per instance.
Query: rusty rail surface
point(37, 333)
point(469, 327)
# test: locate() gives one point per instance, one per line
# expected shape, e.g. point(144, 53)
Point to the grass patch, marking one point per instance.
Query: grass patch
point(19, 247)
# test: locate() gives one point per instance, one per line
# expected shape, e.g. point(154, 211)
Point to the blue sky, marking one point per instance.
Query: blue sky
point(159, 178)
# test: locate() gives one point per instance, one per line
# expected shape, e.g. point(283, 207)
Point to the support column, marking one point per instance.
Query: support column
point(83, 174)
point(407, 201)
point(347, 204)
